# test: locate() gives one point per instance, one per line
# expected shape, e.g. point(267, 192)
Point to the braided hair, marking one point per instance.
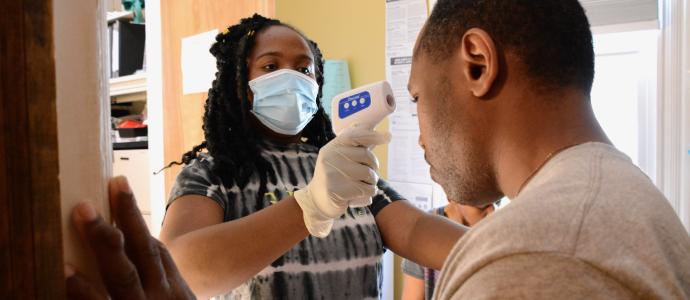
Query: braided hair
point(230, 137)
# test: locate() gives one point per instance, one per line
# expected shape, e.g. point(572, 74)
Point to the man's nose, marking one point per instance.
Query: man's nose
point(420, 141)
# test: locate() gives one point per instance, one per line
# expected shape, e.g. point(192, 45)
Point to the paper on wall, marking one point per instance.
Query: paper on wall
point(432, 3)
point(439, 197)
point(198, 64)
point(406, 159)
point(420, 195)
point(404, 20)
point(408, 171)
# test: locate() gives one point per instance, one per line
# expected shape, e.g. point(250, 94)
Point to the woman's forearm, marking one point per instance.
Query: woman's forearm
point(218, 258)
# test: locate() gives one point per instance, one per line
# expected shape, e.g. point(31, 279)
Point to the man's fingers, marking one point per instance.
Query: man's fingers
point(79, 287)
point(139, 244)
point(118, 273)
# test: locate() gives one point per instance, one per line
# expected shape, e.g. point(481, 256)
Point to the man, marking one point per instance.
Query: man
point(502, 88)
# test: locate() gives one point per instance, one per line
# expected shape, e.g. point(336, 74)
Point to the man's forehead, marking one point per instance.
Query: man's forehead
point(418, 42)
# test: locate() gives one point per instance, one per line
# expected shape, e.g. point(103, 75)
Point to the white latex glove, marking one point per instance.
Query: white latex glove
point(345, 174)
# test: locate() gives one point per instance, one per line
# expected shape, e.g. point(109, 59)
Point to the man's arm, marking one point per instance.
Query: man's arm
point(420, 237)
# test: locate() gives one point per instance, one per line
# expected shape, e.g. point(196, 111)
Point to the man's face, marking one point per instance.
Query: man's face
point(452, 132)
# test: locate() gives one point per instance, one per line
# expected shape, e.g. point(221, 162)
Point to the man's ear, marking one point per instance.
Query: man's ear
point(480, 61)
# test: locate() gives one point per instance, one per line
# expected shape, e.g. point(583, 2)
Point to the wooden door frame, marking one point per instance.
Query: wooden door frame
point(31, 264)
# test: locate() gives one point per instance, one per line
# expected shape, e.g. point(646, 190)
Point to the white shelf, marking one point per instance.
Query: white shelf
point(113, 16)
point(127, 85)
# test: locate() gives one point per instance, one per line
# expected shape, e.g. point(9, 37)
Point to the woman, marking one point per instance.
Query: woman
point(418, 281)
point(226, 225)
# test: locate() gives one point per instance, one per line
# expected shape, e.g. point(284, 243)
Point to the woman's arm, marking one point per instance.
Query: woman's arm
point(215, 256)
point(413, 288)
point(413, 280)
point(420, 237)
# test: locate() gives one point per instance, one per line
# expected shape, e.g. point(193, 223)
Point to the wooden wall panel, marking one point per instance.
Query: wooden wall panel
point(31, 245)
point(183, 113)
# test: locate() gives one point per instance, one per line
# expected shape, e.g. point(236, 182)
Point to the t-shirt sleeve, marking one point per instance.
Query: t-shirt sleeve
point(536, 276)
point(384, 196)
point(197, 178)
point(412, 269)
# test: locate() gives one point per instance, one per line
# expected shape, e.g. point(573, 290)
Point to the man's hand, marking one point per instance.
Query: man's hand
point(132, 263)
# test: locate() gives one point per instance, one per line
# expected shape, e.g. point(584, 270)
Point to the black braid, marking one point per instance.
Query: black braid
point(319, 131)
point(186, 158)
point(231, 139)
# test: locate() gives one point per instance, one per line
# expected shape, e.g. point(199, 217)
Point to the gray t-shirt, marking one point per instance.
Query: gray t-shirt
point(344, 265)
point(589, 225)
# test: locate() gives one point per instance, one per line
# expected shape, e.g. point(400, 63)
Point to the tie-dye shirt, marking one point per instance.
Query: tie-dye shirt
point(344, 265)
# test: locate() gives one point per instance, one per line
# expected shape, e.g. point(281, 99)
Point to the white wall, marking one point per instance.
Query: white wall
point(674, 115)
point(684, 210)
point(154, 106)
point(672, 174)
point(83, 114)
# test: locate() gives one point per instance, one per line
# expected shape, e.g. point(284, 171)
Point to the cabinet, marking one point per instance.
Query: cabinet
point(135, 165)
point(128, 103)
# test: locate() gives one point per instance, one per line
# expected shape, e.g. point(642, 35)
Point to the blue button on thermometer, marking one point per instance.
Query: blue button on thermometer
point(366, 106)
point(352, 104)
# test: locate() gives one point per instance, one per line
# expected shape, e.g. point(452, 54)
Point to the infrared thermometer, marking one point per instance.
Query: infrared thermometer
point(367, 105)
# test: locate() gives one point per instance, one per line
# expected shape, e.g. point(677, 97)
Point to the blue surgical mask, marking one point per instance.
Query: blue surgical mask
point(284, 100)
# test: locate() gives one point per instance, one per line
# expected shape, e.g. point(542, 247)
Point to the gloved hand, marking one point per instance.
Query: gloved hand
point(344, 175)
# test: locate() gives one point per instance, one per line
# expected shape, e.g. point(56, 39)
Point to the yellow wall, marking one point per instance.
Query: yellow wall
point(354, 30)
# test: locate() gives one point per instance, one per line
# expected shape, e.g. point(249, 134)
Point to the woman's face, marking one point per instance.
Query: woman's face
point(276, 48)
point(279, 47)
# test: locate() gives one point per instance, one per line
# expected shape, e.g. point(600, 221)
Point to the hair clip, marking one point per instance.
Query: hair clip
point(250, 33)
